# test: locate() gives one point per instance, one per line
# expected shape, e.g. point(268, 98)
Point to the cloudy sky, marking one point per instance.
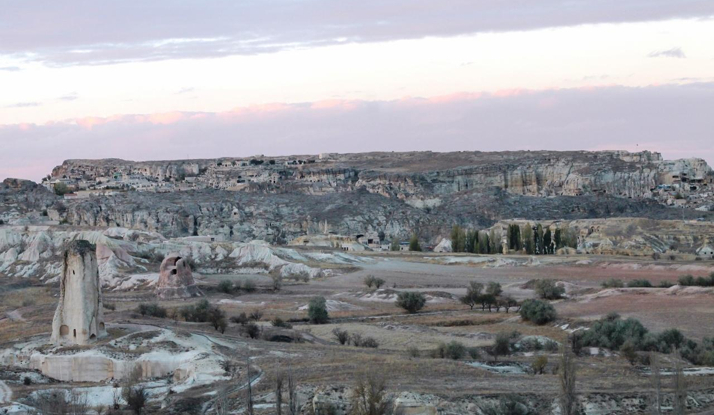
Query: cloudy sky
point(175, 79)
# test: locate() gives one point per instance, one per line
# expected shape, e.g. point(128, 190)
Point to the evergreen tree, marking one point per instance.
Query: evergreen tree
point(558, 239)
point(528, 239)
point(471, 241)
point(493, 244)
point(548, 241)
point(414, 243)
point(486, 244)
point(539, 245)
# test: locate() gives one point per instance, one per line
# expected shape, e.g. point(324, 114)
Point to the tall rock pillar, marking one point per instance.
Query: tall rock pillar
point(79, 318)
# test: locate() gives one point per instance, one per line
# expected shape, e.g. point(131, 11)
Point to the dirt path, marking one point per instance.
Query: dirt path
point(5, 393)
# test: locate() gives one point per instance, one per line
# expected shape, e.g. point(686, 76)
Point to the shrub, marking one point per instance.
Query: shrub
point(454, 350)
point(670, 339)
point(538, 312)
point(411, 301)
point(508, 405)
point(369, 281)
point(378, 283)
point(613, 333)
point(279, 322)
point(252, 330)
point(412, 351)
point(613, 283)
point(136, 399)
point(152, 310)
point(502, 345)
point(249, 286)
point(549, 290)
point(255, 315)
point(539, 365)
point(27, 381)
point(225, 286)
point(109, 306)
point(240, 319)
point(639, 284)
point(277, 282)
point(628, 351)
point(473, 352)
point(666, 284)
point(317, 310)
point(369, 342)
point(342, 336)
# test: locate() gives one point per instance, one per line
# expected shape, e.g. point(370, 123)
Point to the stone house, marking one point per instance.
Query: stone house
point(705, 252)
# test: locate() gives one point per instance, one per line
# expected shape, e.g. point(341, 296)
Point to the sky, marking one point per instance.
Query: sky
point(217, 78)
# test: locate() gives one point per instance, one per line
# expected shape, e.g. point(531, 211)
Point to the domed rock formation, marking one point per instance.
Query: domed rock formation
point(175, 279)
point(79, 318)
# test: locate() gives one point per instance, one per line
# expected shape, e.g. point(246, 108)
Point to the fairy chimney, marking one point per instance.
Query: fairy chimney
point(175, 279)
point(79, 318)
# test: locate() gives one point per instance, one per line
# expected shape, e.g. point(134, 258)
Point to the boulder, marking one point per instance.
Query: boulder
point(176, 279)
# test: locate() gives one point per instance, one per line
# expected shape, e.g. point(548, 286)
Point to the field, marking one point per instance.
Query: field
point(405, 355)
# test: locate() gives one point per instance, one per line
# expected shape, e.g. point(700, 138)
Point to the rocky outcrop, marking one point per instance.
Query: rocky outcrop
point(175, 279)
point(79, 318)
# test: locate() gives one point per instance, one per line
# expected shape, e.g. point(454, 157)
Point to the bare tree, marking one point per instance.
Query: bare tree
point(656, 384)
point(566, 374)
point(293, 405)
point(222, 405)
point(60, 402)
point(250, 387)
point(279, 379)
point(369, 396)
point(680, 386)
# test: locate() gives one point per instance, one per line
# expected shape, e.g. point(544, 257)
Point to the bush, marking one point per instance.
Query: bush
point(473, 352)
point(639, 284)
point(411, 301)
point(27, 381)
point(203, 312)
point(612, 333)
point(136, 399)
point(369, 342)
point(539, 365)
point(317, 310)
point(279, 322)
point(454, 350)
point(252, 330)
point(549, 290)
point(342, 336)
point(152, 310)
point(225, 287)
point(508, 405)
point(412, 351)
point(666, 284)
point(249, 286)
point(538, 312)
point(255, 315)
point(502, 345)
point(686, 280)
point(240, 319)
point(613, 283)
point(109, 306)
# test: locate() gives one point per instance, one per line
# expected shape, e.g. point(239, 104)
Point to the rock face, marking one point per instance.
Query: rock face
point(281, 198)
point(79, 318)
point(175, 279)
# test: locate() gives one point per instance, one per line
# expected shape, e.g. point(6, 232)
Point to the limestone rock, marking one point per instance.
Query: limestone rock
point(175, 279)
point(409, 404)
point(79, 318)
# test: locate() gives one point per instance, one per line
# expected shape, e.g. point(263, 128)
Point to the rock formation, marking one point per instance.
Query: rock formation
point(175, 279)
point(79, 318)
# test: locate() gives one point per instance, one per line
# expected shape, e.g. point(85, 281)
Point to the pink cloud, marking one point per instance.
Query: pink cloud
point(556, 119)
